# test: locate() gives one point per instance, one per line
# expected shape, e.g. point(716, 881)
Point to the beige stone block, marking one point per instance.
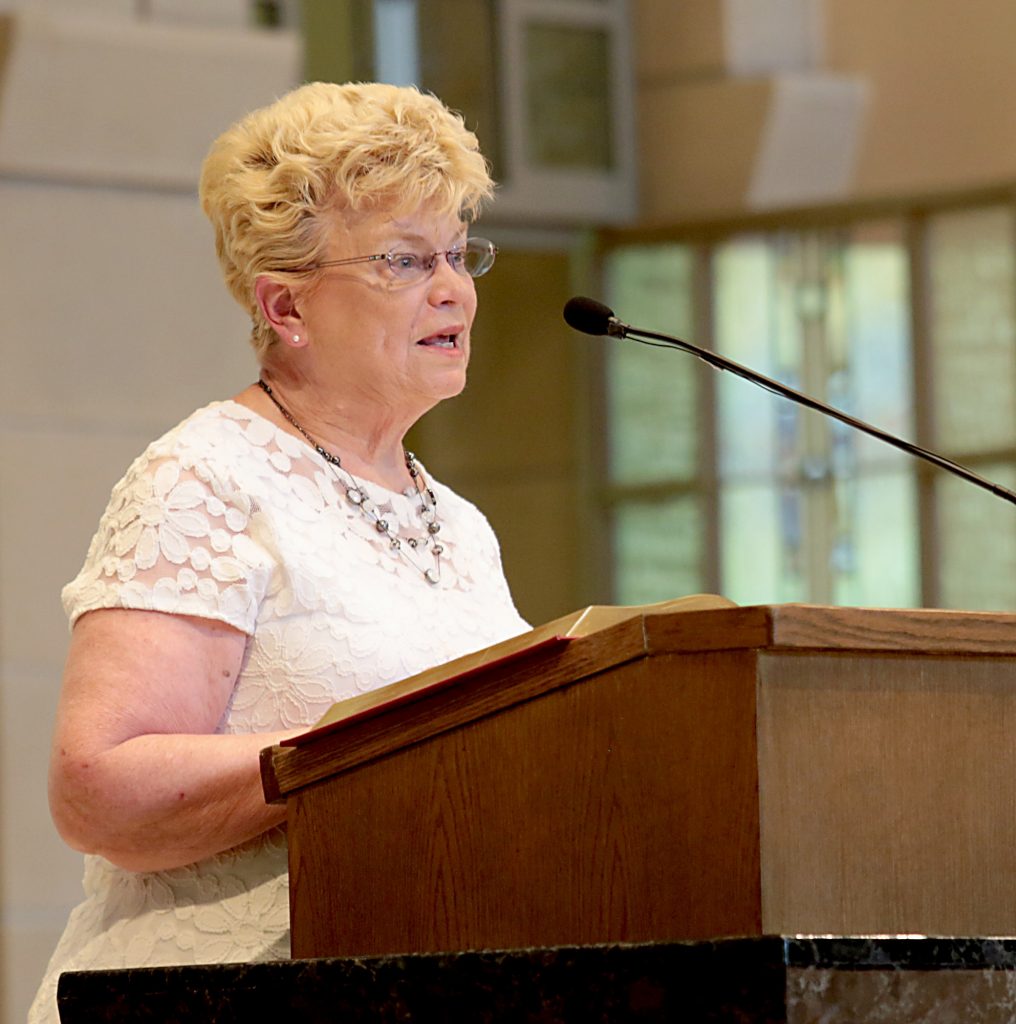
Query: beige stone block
point(811, 141)
point(673, 39)
point(536, 521)
point(713, 38)
point(718, 148)
point(217, 13)
point(41, 875)
point(123, 317)
point(53, 488)
point(699, 143)
point(96, 8)
point(942, 79)
point(25, 950)
point(107, 99)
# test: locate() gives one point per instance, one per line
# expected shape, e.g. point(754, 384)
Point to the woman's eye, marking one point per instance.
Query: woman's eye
point(404, 261)
point(457, 257)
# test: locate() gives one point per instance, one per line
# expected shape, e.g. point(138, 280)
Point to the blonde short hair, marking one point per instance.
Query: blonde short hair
point(267, 181)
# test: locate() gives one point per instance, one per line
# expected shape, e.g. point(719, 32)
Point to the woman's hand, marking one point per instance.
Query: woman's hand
point(136, 773)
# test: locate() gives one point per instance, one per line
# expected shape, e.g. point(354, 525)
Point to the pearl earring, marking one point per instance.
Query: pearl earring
point(296, 337)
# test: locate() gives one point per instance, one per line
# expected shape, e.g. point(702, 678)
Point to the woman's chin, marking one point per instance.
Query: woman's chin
point(451, 387)
point(446, 381)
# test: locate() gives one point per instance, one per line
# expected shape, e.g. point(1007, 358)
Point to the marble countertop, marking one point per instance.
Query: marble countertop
point(767, 980)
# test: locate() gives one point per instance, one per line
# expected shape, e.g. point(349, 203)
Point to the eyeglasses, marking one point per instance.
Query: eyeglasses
point(473, 259)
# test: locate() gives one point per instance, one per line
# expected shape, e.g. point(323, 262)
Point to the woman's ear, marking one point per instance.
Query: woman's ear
point(278, 305)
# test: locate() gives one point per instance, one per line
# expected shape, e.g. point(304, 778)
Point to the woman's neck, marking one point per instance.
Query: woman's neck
point(368, 441)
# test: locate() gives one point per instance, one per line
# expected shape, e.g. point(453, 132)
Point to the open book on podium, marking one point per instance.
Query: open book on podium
point(685, 770)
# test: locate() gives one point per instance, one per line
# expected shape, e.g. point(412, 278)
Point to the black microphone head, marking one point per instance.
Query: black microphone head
point(588, 315)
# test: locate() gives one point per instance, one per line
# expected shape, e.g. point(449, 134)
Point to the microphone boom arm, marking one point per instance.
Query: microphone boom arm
point(617, 329)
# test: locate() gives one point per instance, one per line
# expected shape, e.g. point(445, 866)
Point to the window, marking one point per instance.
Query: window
point(653, 452)
point(545, 84)
point(713, 484)
point(971, 278)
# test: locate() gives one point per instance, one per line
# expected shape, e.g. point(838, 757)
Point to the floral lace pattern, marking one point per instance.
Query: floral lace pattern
point(229, 518)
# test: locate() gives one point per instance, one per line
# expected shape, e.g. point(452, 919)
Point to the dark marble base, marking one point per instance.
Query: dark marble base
point(766, 980)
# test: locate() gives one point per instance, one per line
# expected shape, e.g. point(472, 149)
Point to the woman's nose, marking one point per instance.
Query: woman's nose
point(447, 284)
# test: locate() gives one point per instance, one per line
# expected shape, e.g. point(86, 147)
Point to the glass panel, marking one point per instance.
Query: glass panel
point(875, 559)
point(874, 556)
point(396, 50)
point(977, 534)
point(827, 315)
point(828, 319)
point(651, 393)
point(973, 324)
point(752, 422)
point(810, 509)
point(657, 550)
point(760, 550)
point(877, 386)
point(568, 91)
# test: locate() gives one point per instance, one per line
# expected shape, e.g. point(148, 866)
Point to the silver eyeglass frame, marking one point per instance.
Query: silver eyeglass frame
point(484, 249)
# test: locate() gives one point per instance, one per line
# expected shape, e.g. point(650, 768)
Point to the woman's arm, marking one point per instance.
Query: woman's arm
point(136, 773)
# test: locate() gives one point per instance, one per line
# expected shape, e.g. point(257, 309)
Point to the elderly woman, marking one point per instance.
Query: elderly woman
point(278, 551)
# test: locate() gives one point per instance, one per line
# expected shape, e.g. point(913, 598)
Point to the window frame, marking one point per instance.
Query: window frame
point(914, 215)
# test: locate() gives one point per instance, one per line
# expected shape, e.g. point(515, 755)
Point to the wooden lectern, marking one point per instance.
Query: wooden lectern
point(666, 774)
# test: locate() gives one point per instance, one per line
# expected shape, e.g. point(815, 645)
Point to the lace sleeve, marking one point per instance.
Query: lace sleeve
point(175, 539)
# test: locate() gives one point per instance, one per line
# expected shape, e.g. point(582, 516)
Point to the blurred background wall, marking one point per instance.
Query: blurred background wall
point(820, 188)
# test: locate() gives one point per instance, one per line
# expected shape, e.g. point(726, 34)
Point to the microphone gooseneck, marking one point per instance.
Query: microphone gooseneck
point(592, 317)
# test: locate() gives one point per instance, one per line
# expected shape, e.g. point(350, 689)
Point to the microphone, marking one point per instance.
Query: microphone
point(592, 317)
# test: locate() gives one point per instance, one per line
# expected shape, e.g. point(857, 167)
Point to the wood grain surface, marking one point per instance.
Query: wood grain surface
point(623, 808)
point(888, 797)
point(693, 774)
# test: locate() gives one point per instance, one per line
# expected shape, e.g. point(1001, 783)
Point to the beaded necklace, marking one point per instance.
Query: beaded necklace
point(356, 494)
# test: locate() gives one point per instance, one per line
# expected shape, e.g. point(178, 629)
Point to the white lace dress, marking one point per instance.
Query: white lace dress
point(229, 518)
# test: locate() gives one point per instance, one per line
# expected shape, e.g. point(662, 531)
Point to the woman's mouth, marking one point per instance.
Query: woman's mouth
point(447, 341)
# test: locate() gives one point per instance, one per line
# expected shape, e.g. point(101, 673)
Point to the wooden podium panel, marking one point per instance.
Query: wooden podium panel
point(889, 804)
point(681, 774)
